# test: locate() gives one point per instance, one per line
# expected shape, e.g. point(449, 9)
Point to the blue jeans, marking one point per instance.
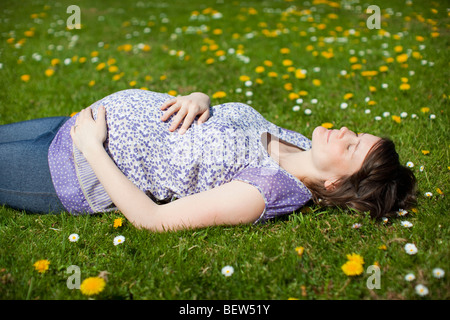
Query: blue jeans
point(25, 180)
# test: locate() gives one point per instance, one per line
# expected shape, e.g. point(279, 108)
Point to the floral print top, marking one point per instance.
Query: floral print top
point(167, 165)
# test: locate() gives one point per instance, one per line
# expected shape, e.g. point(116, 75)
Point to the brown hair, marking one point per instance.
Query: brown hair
point(382, 186)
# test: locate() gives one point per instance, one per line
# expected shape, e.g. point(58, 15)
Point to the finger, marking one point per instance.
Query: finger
point(174, 108)
point(178, 119)
point(168, 103)
point(203, 117)
point(101, 116)
point(187, 122)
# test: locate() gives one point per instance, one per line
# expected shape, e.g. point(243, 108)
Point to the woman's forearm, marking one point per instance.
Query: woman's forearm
point(129, 199)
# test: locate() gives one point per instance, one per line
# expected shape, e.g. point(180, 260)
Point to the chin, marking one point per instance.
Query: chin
point(318, 131)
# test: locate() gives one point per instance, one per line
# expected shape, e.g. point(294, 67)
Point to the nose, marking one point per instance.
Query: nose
point(342, 132)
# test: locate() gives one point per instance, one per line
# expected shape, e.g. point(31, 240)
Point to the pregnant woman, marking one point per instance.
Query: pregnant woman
point(226, 165)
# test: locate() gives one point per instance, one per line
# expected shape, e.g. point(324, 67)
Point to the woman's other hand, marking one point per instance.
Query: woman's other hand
point(187, 108)
point(87, 133)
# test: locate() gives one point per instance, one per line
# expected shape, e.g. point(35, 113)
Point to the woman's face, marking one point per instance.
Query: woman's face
point(337, 153)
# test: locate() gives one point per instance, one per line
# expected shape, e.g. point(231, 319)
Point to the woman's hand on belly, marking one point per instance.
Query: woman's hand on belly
point(187, 108)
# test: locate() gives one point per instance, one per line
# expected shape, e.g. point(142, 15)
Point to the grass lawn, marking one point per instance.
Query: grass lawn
point(300, 64)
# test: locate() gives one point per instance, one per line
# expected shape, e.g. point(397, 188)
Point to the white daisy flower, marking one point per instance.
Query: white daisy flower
point(295, 108)
point(227, 271)
point(118, 240)
point(410, 248)
point(344, 105)
point(356, 225)
point(421, 168)
point(406, 224)
point(438, 273)
point(410, 277)
point(308, 112)
point(421, 290)
point(428, 194)
point(299, 100)
point(386, 114)
point(410, 164)
point(402, 212)
point(74, 237)
point(367, 111)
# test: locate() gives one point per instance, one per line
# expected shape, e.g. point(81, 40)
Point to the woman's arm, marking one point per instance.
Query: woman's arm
point(187, 108)
point(232, 203)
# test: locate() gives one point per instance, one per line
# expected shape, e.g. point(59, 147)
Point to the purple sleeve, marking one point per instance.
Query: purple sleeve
point(282, 193)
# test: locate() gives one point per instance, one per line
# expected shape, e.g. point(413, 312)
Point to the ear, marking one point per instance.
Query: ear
point(329, 184)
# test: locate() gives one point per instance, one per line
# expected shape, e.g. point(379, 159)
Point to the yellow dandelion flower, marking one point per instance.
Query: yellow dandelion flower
point(118, 222)
point(272, 74)
point(259, 81)
point(382, 247)
point(127, 47)
point(396, 119)
point(372, 89)
point(55, 61)
point(163, 77)
point(300, 250)
point(405, 86)
point(268, 63)
point(420, 38)
point(288, 86)
point(92, 286)
point(209, 61)
point(402, 58)
point(132, 84)
point(287, 62)
point(73, 113)
point(425, 109)
point(285, 50)
point(100, 66)
point(435, 34)
point(172, 92)
point(217, 31)
point(398, 49)
point(303, 93)
point(293, 96)
point(316, 82)
point(356, 66)
point(299, 74)
point(91, 83)
point(116, 77)
point(41, 265)
point(82, 60)
point(113, 69)
point(425, 152)
point(49, 72)
point(327, 125)
point(352, 268)
point(353, 59)
point(259, 69)
point(348, 96)
point(111, 61)
point(383, 68)
point(29, 33)
point(355, 257)
point(146, 48)
point(25, 77)
point(244, 78)
point(439, 191)
point(219, 94)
